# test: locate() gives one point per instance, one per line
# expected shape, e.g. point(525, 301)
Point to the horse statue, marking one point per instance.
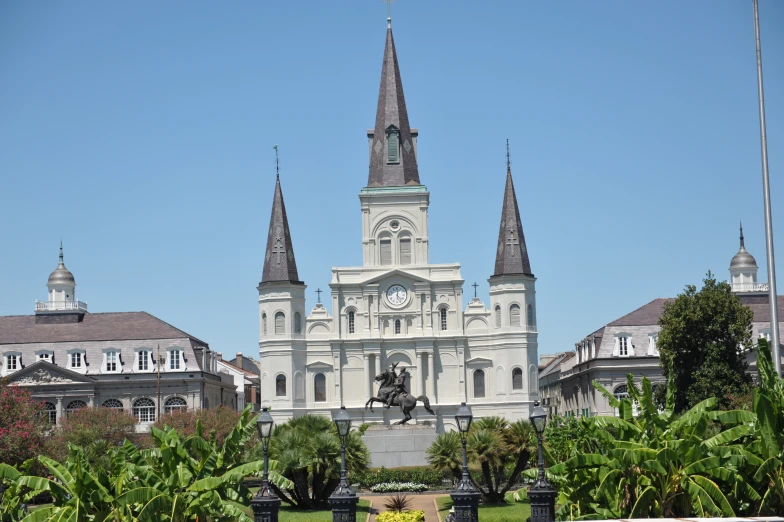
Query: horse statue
point(391, 392)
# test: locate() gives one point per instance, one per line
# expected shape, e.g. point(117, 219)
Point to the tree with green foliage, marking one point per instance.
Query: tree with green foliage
point(499, 449)
point(307, 449)
point(22, 427)
point(702, 341)
point(180, 479)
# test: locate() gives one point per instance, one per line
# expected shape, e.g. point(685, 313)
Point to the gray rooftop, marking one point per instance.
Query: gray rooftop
point(391, 112)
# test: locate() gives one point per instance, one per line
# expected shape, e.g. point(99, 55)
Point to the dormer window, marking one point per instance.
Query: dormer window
point(393, 145)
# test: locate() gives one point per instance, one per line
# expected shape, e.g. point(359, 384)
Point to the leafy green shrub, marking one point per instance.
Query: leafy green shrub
point(397, 516)
point(220, 420)
point(418, 475)
point(391, 487)
point(398, 502)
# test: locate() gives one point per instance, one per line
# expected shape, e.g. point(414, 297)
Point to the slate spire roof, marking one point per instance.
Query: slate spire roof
point(392, 118)
point(279, 262)
point(511, 255)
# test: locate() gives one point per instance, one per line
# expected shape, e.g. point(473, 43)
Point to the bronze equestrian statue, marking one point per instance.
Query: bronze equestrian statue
point(392, 392)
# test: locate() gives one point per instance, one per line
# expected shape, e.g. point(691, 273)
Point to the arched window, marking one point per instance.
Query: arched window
point(479, 384)
point(320, 388)
point(280, 386)
point(385, 247)
point(531, 319)
point(621, 392)
point(264, 324)
point(73, 406)
point(144, 410)
point(113, 404)
point(514, 315)
point(498, 316)
point(517, 379)
point(297, 323)
point(174, 404)
point(442, 313)
point(405, 251)
point(351, 322)
point(397, 326)
point(393, 146)
point(280, 323)
point(50, 413)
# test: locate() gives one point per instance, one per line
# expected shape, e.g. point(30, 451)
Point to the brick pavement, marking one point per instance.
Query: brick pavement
point(424, 502)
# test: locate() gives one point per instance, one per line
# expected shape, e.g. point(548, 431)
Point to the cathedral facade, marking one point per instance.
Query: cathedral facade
point(398, 308)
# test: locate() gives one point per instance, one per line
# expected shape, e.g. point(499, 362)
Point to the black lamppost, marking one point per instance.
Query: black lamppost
point(343, 500)
point(542, 494)
point(266, 503)
point(465, 497)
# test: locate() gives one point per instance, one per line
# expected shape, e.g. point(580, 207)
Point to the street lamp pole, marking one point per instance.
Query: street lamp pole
point(343, 500)
point(542, 494)
point(266, 503)
point(465, 497)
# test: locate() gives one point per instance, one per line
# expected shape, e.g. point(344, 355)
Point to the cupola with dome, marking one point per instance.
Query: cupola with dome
point(743, 271)
point(62, 291)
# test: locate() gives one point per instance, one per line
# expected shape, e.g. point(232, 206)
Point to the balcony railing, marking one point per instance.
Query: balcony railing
point(750, 287)
point(58, 306)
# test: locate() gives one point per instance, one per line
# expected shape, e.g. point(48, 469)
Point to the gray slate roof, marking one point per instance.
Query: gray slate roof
point(247, 364)
point(647, 314)
point(118, 326)
point(279, 262)
point(392, 111)
point(512, 254)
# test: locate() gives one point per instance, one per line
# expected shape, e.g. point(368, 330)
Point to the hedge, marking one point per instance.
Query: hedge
point(417, 475)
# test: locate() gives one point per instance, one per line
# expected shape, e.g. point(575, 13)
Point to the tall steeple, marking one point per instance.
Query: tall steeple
point(279, 262)
point(392, 151)
point(512, 255)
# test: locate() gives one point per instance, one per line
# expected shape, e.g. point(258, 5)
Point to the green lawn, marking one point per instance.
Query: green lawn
point(289, 514)
point(511, 512)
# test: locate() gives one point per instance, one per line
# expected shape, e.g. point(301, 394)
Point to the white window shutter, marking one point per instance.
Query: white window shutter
point(616, 348)
point(651, 345)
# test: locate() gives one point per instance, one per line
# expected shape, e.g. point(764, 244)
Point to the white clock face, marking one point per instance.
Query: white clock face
point(396, 295)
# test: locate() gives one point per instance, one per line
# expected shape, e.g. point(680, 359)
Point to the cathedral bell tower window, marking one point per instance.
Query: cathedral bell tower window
point(393, 145)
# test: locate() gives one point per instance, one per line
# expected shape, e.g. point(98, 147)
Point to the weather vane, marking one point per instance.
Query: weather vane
point(277, 165)
point(508, 161)
point(389, 9)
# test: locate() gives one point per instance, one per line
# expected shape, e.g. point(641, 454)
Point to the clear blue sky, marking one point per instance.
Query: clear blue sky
point(142, 132)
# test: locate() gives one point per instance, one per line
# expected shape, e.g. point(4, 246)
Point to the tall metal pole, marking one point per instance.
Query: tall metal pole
point(158, 365)
point(773, 296)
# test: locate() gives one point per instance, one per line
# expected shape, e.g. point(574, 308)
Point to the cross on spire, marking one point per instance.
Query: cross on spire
point(278, 247)
point(277, 165)
point(389, 11)
point(512, 241)
point(318, 291)
point(508, 162)
point(474, 285)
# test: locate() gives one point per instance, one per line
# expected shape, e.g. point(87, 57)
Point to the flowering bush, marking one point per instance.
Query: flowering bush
point(401, 516)
point(391, 487)
point(94, 429)
point(221, 420)
point(419, 475)
point(21, 427)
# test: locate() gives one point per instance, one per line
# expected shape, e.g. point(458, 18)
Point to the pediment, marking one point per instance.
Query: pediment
point(319, 364)
point(396, 272)
point(42, 373)
point(480, 361)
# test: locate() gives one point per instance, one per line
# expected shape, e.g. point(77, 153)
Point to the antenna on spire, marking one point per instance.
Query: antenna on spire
point(61, 250)
point(277, 164)
point(389, 12)
point(508, 161)
point(741, 235)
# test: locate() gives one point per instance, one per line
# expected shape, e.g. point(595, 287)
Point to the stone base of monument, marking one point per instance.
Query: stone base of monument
point(397, 446)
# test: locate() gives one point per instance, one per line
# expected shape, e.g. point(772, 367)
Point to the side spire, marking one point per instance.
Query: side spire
point(392, 155)
point(279, 262)
point(512, 254)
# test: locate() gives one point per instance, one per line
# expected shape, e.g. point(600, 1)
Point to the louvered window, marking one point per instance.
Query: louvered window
point(517, 379)
point(405, 251)
point(479, 384)
point(320, 387)
point(393, 147)
point(280, 323)
point(297, 323)
point(386, 251)
point(351, 322)
point(514, 315)
point(498, 317)
point(443, 318)
point(531, 317)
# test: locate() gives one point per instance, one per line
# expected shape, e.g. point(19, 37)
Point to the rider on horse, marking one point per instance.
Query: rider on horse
point(400, 387)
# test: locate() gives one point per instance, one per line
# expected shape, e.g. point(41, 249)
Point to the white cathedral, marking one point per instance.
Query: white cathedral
point(398, 307)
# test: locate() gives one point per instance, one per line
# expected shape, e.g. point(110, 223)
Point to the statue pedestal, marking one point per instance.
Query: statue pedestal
point(398, 446)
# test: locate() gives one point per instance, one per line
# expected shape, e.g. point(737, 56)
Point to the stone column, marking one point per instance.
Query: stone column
point(59, 410)
point(421, 370)
point(377, 358)
point(431, 377)
point(367, 377)
point(91, 401)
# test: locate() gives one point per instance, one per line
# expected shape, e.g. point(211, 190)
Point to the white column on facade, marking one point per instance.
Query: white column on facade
point(421, 370)
point(91, 401)
point(59, 410)
point(431, 377)
point(377, 359)
point(367, 376)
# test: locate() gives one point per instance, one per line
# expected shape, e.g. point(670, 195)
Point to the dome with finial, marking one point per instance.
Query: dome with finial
point(61, 275)
point(743, 259)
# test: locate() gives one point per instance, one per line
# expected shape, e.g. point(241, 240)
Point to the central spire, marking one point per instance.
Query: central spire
point(392, 151)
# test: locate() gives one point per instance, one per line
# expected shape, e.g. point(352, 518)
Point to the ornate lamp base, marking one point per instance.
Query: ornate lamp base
point(542, 504)
point(466, 504)
point(265, 509)
point(344, 508)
